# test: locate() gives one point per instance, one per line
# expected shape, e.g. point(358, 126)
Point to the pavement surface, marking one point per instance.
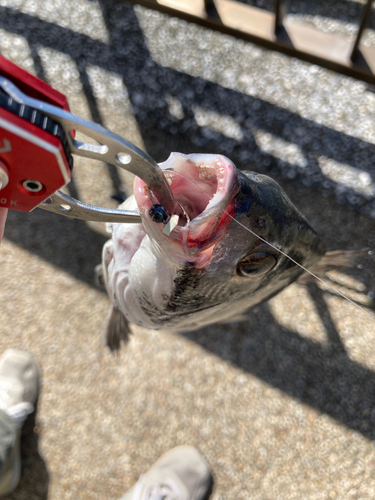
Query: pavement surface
point(282, 406)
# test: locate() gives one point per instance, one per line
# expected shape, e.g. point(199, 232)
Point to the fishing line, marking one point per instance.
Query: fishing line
point(304, 268)
point(281, 251)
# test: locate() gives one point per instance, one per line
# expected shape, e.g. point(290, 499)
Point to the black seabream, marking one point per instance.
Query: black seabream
point(209, 268)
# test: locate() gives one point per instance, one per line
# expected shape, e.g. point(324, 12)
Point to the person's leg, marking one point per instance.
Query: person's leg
point(19, 387)
point(180, 474)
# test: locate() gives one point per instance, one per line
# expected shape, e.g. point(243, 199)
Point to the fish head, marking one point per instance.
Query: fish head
point(204, 186)
point(229, 251)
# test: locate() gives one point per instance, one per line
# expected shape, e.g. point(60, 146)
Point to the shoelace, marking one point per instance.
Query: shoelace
point(20, 411)
point(155, 491)
point(17, 412)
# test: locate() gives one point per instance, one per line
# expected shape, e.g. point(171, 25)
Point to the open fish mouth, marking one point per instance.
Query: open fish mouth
point(204, 186)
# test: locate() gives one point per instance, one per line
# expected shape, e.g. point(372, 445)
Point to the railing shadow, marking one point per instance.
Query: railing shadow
point(69, 244)
point(321, 376)
point(148, 83)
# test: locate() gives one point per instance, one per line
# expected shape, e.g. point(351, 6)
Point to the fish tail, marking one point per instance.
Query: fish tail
point(334, 259)
point(117, 329)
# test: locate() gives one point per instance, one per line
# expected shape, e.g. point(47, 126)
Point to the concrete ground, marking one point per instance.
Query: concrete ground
point(282, 406)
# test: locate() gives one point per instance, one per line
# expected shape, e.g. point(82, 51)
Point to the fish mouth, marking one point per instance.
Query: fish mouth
point(204, 186)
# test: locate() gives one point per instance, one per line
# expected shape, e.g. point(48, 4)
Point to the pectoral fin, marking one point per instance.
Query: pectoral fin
point(117, 329)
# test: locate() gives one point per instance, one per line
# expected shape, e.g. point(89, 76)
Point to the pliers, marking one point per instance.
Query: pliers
point(110, 148)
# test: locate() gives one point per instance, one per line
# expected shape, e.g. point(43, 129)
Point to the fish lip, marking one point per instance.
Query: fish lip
point(206, 185)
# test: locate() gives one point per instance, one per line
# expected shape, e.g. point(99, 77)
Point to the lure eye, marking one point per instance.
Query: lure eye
point(256, 264)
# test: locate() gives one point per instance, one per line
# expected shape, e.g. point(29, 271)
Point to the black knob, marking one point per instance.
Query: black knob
point(158, 214)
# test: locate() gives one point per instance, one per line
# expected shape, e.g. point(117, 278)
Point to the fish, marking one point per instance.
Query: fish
point(228, 252)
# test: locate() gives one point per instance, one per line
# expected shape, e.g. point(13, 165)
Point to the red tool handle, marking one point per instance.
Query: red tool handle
point(34, 158)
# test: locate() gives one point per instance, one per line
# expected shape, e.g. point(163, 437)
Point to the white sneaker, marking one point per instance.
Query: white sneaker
point(180, 474)
point(19, 388)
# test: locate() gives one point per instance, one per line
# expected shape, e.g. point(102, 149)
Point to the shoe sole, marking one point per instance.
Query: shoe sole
point(13, 476)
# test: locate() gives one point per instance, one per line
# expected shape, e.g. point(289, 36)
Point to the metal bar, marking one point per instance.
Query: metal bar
point(362, 25)
point(210, 8)
point(209, 5)
point(61, 203)
point(257, 26)
point(280, 13)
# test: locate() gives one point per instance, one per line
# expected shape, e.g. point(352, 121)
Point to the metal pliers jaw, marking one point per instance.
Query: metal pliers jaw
point(111, 148)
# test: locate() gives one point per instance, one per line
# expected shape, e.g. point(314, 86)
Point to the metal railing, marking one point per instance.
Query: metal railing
point(275, 31)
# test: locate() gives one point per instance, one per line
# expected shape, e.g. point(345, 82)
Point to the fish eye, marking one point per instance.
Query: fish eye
point(256, 264)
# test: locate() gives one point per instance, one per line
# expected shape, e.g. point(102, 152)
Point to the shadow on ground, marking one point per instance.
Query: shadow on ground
point(323, 377)
point(69, 244)
point(149, 85)
point(34, 477)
